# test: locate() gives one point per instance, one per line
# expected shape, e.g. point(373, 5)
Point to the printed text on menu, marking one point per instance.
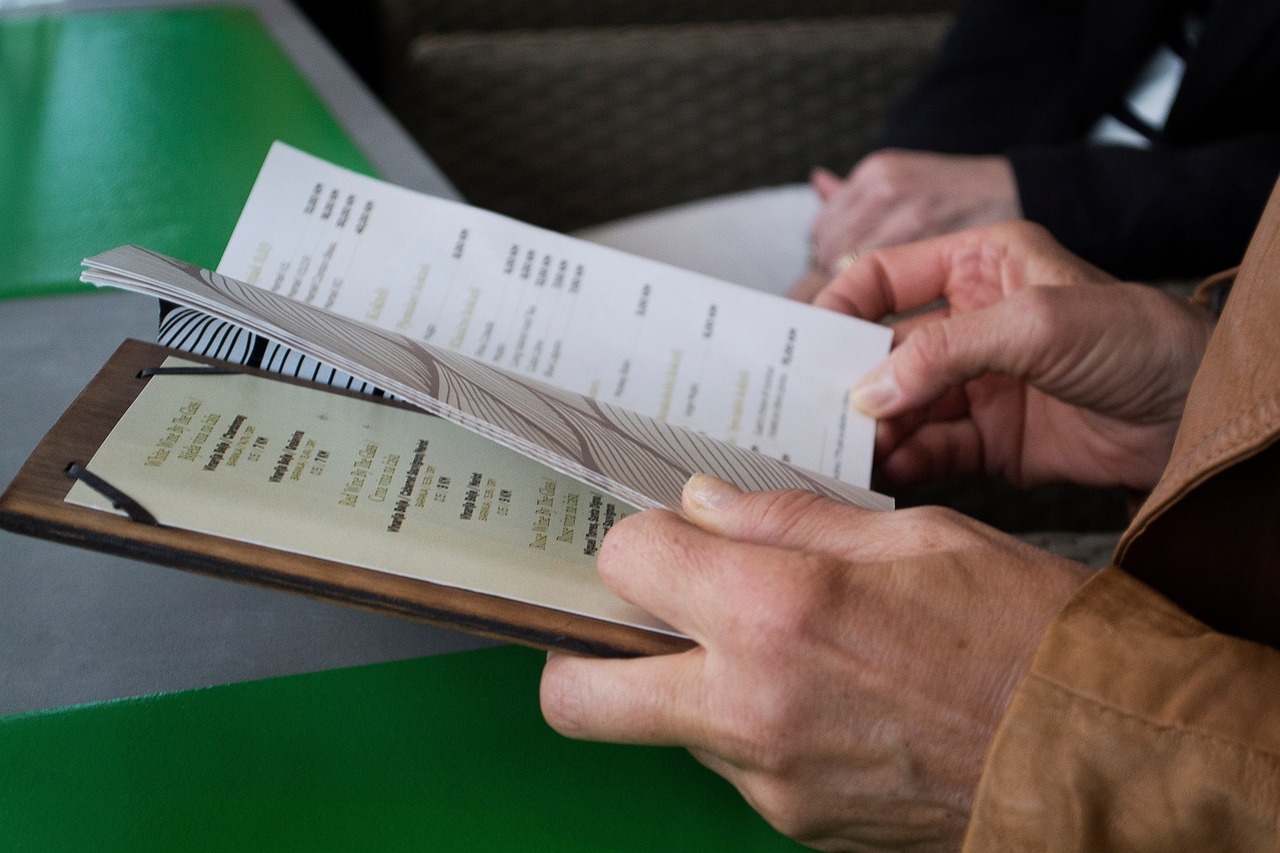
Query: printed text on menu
point(741, 366)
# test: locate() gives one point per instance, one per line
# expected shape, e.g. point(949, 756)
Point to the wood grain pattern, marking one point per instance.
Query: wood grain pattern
point(33, 504)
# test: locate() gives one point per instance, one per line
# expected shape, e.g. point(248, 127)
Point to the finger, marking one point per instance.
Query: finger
point(904, 222)
point(949, 352)
point(793, 520)
point(655, 701)
point(808, 285)
point(933, 451)
point(952, 405)
point(892, 433)
point(889, 281)
point(838, 234)
point(976, 267)
point(825, 182)
point(904, 325)
point(679, 572)
point(842, 224)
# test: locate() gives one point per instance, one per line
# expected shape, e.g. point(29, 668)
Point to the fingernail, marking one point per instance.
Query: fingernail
point(710, 492)
point(877, 391)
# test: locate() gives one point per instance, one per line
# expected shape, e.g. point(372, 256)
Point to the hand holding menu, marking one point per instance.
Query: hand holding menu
point(621, 376)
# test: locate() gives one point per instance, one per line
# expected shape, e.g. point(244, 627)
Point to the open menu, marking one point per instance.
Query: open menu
point(254, 477)
point(744, 367)
point(353, 481)
point(573, 385)
point(637, 455)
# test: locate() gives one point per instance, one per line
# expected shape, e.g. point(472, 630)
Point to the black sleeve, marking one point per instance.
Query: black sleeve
point(1166, 212)
point(1004, 66)
point(1009, 80)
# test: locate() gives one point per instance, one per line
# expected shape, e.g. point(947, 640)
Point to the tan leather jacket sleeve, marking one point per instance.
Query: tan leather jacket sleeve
point(1150, 718)
point(1138, 728)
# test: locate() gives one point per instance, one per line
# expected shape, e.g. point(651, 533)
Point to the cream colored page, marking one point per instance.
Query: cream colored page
point(353, 481)
point(739, 365)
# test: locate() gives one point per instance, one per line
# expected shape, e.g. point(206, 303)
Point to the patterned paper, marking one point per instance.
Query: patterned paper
point(640, 460)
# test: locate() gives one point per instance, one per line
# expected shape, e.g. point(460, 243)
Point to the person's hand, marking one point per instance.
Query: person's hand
point(893, 197)
point(809, 285)
point(852, 665)
point(1027, 372)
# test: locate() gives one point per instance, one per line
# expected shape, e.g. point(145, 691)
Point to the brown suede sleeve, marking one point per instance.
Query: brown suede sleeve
point(1150, 718)
point(1208, 537)
point(1137, 728)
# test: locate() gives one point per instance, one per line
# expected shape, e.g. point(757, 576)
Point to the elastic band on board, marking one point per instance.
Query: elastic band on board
point(119, 499)
point(147, 373)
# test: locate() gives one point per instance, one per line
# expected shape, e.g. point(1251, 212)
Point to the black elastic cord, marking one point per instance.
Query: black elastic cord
point(119, 499)
point(147, 373)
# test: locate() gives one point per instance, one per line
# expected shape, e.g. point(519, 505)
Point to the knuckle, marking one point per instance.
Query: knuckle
point(642, 533)
point(786, 607)
point(1034, 232)
point(1021, 231)
point(930, 344)
point(880, 170)
point(1036, 313)
point(785, 807)
point(932, 528)
point(760, 711)
point(624, 534)
point(923, 518)
point(786, 509)
point(760, 615)
point(870, 165)
point(761, 732)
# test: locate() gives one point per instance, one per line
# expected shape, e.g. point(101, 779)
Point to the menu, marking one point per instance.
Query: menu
point(738, 365)
point(360, 482)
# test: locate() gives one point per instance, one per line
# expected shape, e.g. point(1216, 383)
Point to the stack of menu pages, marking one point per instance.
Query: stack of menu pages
point(570, 384)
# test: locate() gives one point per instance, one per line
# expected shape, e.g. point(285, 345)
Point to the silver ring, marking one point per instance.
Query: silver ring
point(842, 263)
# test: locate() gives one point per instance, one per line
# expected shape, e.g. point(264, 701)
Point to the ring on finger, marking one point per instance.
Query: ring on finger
point(843, 262)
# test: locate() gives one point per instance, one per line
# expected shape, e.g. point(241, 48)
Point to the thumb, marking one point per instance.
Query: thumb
point(939, 355)
point(790, 519)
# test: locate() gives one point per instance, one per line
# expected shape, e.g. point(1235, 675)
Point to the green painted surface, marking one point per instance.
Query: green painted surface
point(445, 753)
point(144, 127)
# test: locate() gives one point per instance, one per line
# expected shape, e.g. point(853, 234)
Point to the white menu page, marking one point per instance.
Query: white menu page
point(742, 366)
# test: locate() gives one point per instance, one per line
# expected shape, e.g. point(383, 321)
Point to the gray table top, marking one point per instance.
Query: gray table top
point(78, 626)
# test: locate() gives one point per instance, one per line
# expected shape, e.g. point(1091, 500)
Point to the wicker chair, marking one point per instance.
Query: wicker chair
point(576, 113)
point(568, 113)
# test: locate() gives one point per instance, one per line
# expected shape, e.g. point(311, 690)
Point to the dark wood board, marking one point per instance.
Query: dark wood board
point(34, 504)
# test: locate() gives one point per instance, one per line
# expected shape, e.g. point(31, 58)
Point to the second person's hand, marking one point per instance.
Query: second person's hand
point(1037, 367)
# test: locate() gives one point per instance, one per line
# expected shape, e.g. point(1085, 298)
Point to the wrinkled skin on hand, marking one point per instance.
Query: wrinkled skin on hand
point(893, 197)
point(852, 666)
point(1027, 362)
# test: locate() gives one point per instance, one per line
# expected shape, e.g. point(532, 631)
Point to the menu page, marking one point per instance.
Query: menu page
point(363, 483)
point(742, 366)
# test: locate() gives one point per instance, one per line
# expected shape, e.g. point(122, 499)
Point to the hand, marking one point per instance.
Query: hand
point(893, 197)
point(1027, 372)
point(852, 666)
point(809, 285)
